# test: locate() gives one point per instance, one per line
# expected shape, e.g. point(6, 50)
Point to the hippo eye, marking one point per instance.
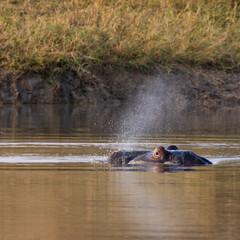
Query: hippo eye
point(156, 153)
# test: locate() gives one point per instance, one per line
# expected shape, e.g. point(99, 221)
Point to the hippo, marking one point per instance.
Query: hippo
point(171, 155)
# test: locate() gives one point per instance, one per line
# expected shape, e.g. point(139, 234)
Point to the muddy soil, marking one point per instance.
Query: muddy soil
point(185, 88)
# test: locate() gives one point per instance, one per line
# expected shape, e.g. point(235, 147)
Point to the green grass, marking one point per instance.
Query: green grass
point(76, 35)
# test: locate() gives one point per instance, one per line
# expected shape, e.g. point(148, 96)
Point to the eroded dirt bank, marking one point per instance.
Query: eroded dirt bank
point(205, 88)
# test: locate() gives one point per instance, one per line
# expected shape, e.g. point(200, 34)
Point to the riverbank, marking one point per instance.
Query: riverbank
point(114, 52)
point(177, 88)
point(49, 37)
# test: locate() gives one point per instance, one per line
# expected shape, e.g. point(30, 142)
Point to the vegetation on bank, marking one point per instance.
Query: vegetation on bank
point(76, 35)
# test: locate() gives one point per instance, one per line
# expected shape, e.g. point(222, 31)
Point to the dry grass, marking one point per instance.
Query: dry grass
point(52, 35)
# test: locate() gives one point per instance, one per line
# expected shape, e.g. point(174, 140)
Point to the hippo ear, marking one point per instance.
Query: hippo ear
point(158, 153)
point(172, 147)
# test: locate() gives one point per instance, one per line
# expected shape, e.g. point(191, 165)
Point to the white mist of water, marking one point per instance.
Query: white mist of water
point(146, 111)
point(139, 118)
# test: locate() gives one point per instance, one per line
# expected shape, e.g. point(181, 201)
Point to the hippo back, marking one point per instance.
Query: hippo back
point(187, 158)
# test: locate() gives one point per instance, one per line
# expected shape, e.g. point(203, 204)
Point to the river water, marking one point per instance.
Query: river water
point(55, 182)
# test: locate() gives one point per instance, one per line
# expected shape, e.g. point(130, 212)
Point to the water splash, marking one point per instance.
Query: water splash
point(145, 112)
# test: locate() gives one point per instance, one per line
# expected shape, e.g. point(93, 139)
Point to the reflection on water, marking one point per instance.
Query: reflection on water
point(102, 204)
point(55, 182)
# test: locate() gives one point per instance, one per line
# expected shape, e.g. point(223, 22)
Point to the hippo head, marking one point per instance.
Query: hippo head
point(160, 154)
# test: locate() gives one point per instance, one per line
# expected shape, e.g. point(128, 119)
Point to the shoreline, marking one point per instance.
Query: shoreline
point(181, 87)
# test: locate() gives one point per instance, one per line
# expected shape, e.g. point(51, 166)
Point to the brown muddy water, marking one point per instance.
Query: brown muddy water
point(55, 182)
